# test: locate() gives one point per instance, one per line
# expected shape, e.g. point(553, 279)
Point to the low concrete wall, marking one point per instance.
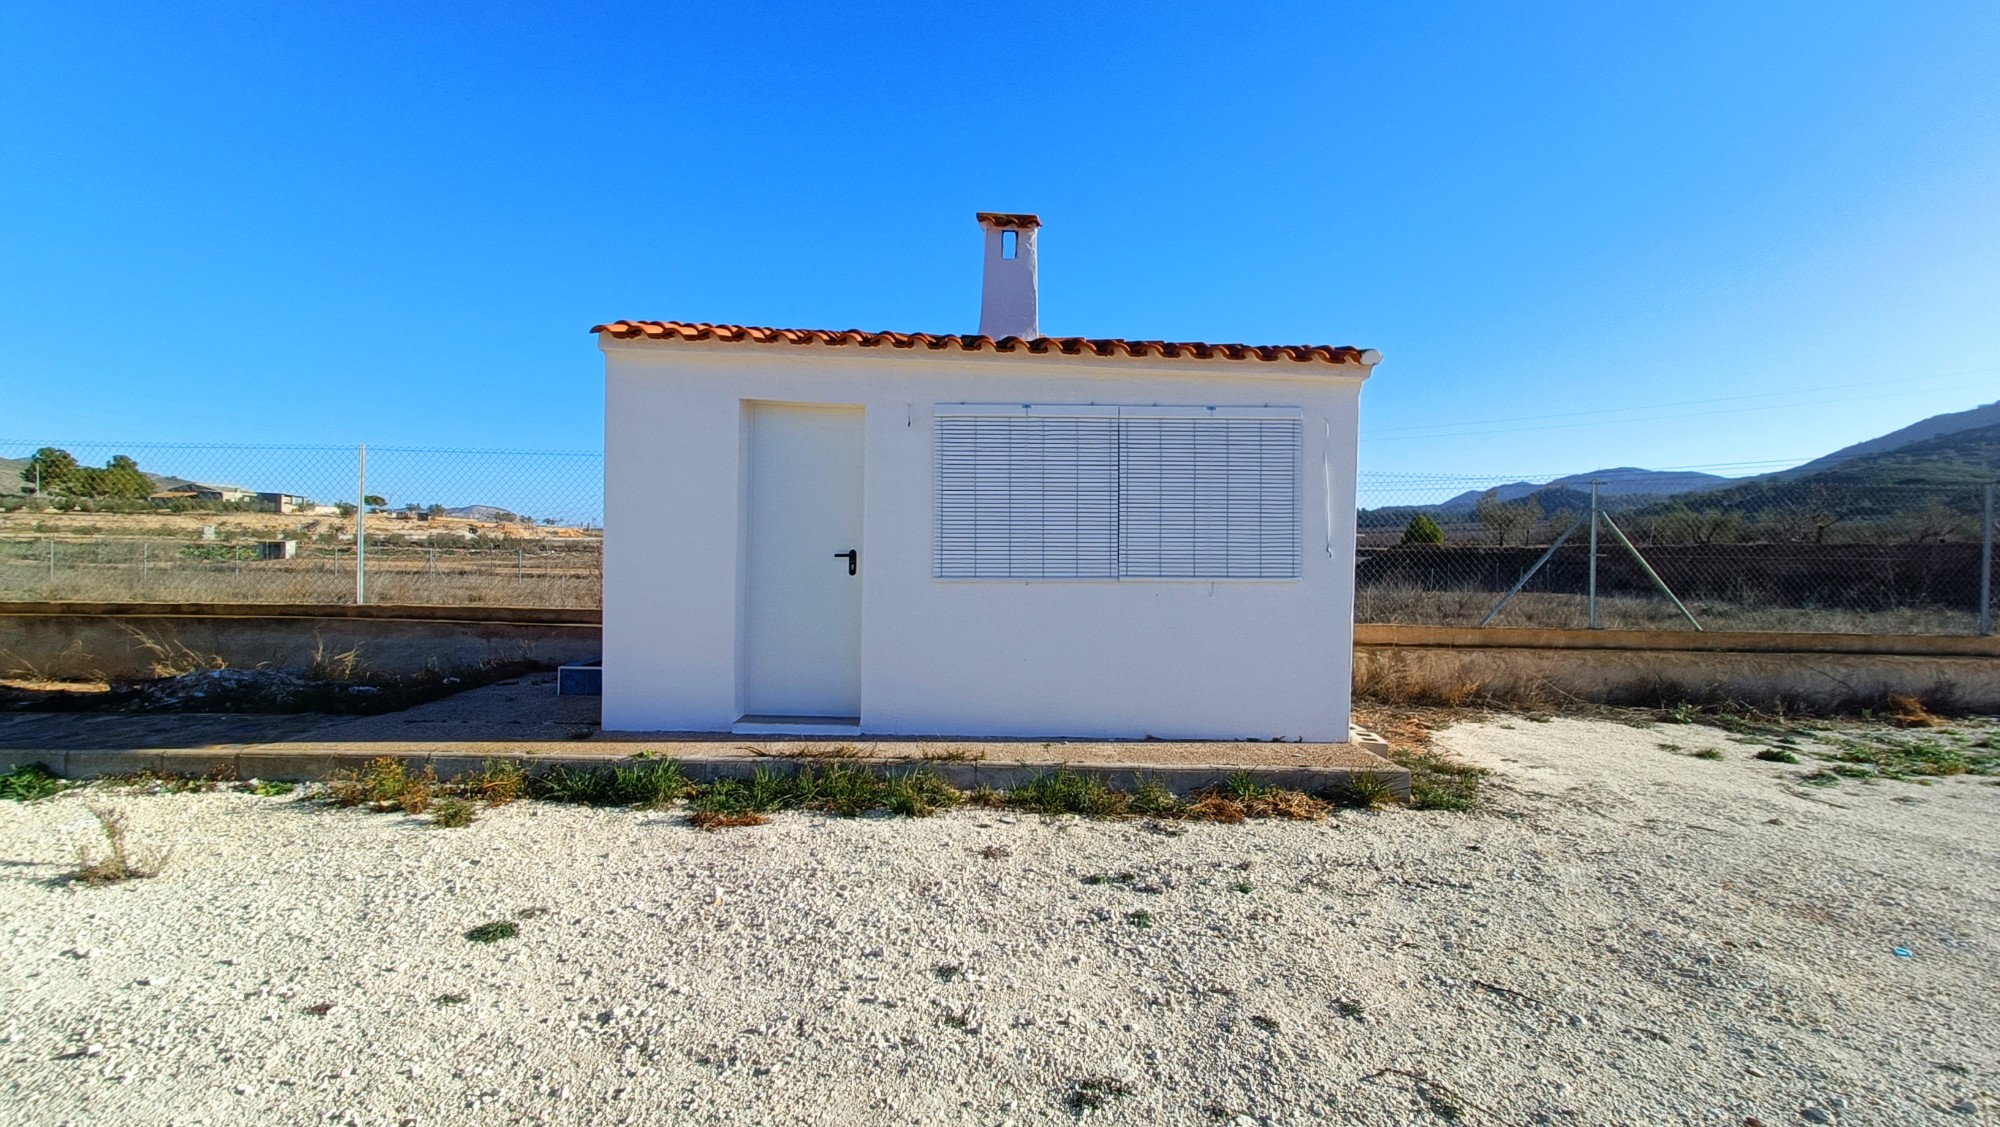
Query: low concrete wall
point(1813, 671)
point(113, 641)
point(69, 640)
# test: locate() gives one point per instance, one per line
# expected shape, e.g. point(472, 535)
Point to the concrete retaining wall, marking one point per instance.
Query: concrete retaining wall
point(74, 640)
point(1549, 667)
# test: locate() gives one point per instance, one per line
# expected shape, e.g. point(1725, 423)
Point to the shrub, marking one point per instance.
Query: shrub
point(1422, 529)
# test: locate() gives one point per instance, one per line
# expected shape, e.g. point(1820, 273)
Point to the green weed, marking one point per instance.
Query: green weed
point(453, 813)
point(494, 932)
point(30, 782)
point(1439, 782)
point(1063, 791)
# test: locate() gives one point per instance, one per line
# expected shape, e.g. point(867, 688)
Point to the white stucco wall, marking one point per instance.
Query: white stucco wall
point(1116, 659)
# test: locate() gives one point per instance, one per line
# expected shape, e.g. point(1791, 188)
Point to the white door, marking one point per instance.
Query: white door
point(802, 600)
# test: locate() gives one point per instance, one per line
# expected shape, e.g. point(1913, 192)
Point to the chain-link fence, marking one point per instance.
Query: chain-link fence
point(1772, 553)
point(277, 524)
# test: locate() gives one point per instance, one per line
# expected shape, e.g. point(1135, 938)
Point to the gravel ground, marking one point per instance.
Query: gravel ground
point(1630, 935)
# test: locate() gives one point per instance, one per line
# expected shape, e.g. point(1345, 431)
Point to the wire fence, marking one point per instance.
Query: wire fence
point(123, 522)
point(1771, 553)
point(288, 524)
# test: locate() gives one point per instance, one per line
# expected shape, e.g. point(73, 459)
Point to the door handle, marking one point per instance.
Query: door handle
point(853, 558)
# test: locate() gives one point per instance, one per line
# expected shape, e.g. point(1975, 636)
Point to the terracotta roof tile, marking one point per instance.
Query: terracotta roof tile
point(1004, 219)
point(1065, 346)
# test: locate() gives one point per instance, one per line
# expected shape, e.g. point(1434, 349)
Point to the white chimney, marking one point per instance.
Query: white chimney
point(1007, 299)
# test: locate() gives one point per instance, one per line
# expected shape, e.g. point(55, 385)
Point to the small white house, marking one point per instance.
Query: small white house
point(1006, 534)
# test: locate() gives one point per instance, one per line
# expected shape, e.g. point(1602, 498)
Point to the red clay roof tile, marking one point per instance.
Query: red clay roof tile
point(1004, 219)
point(1066, 346)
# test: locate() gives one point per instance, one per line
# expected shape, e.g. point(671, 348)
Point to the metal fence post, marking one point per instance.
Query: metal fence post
point(361, 533)
point(1986, 569)
point(52, 560)
point(1593, 553)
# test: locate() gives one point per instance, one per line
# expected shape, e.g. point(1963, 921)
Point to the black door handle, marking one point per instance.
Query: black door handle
point(852, 557)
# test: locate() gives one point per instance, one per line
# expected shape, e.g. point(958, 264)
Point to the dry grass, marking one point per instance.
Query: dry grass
point(723, 820)
point(118, 861)
point(1909, 712)
point(1414, 606)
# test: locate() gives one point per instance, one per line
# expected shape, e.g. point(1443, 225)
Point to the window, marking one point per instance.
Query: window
point(1060, 492)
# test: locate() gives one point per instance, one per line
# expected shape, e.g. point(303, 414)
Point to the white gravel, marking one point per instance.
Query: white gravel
point(1634, 936)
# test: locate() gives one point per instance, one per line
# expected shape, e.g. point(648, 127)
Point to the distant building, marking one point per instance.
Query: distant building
point(196, 491)
point(232, 494)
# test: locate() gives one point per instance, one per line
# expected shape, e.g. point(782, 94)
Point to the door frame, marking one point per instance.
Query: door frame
point(804, 726)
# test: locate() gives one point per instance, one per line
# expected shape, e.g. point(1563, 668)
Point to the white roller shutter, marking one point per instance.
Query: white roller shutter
point(1063, 492)
point(1026, 493)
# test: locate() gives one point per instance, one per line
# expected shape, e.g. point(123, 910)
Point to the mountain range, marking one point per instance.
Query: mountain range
point(1954, 450)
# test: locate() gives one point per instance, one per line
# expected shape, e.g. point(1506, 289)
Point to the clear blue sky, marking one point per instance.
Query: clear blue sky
point(393, 223)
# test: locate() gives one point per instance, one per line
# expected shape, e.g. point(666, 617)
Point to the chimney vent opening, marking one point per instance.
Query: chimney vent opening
point(1007, 243)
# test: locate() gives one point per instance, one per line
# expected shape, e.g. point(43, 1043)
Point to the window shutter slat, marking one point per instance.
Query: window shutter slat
point(1045, 492)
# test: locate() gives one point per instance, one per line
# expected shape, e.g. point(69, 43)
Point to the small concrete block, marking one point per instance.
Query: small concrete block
point(1362, 737)
point(97, 764)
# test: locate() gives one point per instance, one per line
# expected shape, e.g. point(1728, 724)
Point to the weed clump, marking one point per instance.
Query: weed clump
point(494, 932)
point(30, 782)
point(1241, 796)
point(118, 861)
point(644, 782)
point(384, 784)
point(1092, 1093)
point(1776, 755)
point(452, 813)
point(1439, 782)
point(499, 782)
point(1063, 791)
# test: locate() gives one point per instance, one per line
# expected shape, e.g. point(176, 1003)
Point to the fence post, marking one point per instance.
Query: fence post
point(1593, 553)
point(52, 560)
point(1986, 569)
point(145, 557)
point(361, 533)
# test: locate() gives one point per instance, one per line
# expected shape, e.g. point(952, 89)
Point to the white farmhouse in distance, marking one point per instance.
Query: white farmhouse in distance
point(846, 533)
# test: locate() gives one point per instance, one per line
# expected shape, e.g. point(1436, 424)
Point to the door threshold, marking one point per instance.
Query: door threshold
point(758, 725)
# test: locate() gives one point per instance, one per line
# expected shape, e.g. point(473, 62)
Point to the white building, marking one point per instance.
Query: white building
point(1003, 534)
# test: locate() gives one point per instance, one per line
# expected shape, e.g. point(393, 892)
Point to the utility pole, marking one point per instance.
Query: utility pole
point(1593, 553)
point(361, 534)
point(1986, 570)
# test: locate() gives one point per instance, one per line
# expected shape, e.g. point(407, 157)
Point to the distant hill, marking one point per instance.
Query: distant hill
point(1621, 481)
point(482, 512)
point(1936, 426)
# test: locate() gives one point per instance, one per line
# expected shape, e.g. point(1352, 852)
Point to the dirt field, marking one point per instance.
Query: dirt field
point(1647, 925)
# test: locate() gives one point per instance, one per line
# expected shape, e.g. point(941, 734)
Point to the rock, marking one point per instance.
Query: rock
point(1965, 1107)
point(1812, 1114)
